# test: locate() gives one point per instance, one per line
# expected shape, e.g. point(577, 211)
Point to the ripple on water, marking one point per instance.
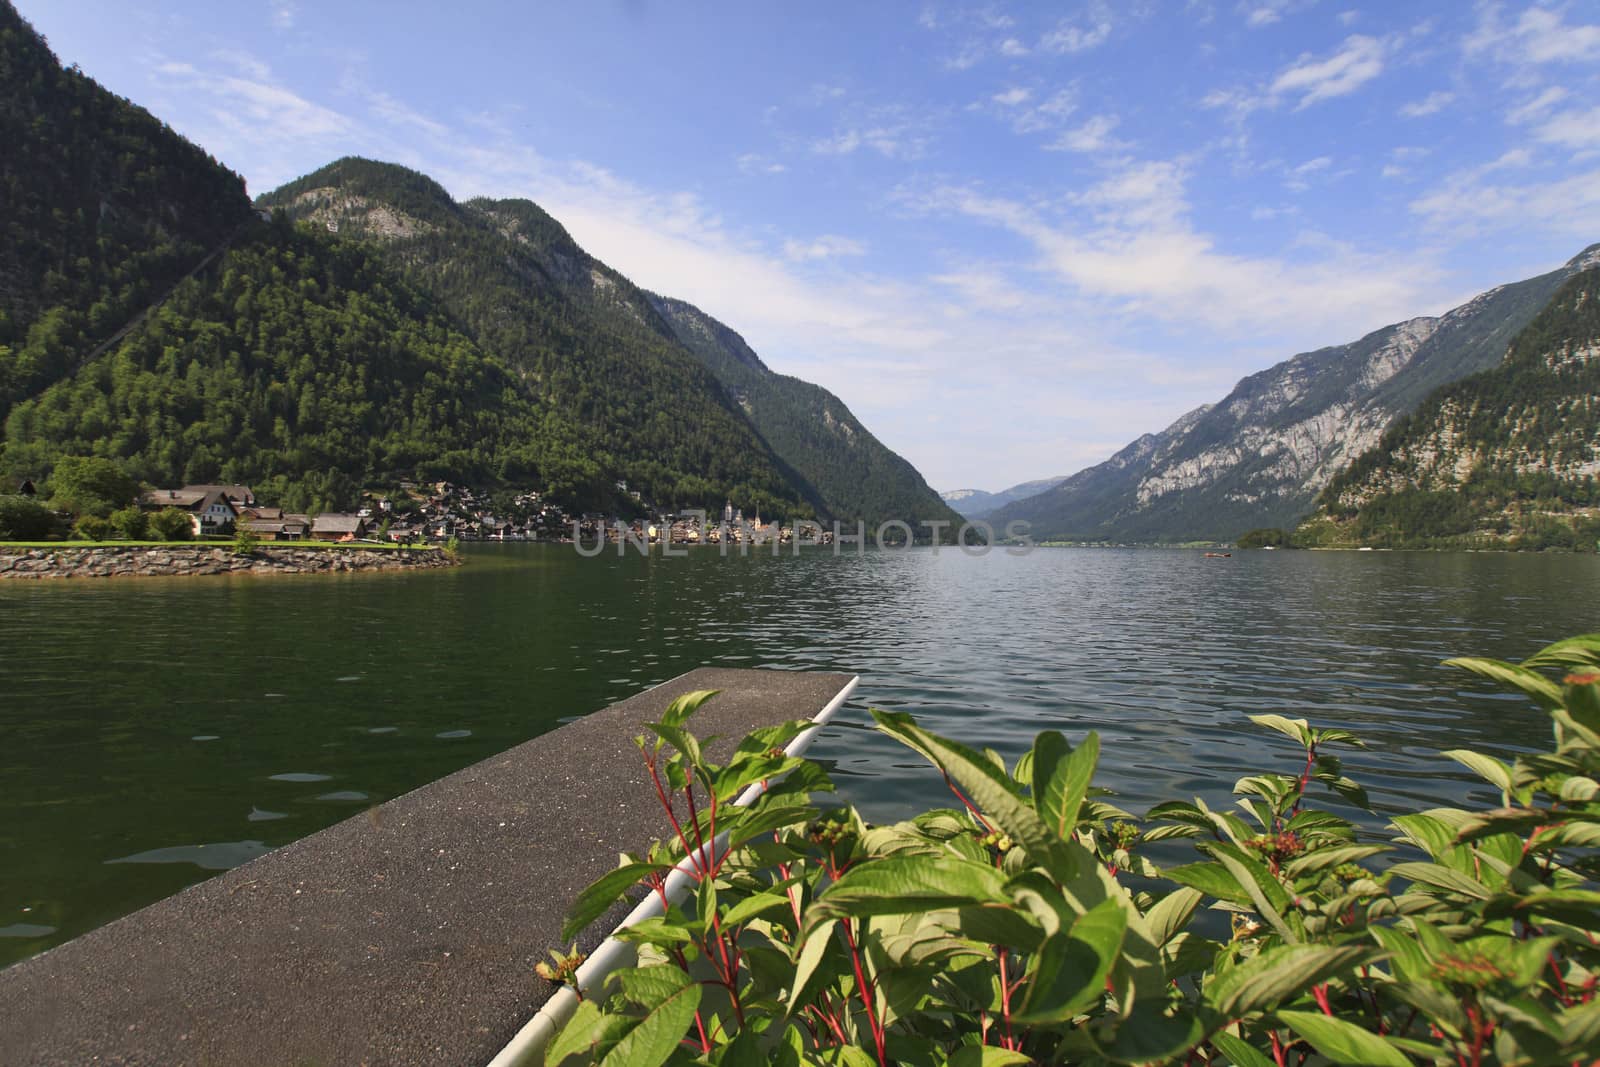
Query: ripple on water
point(448, 735)
point(345, 795)
point(263, 815)
point(301, 776)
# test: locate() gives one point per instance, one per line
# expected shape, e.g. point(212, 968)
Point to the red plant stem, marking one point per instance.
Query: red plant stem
point(971, 809)
point(704, 862)
point(1277, 1049)
point(866, 993)
point(1321, 993)
point(1010, 1041)
point(666, 804)
point(1305, 780)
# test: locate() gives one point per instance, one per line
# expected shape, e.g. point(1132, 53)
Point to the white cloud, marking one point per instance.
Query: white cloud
point(1262, 16)
point(1012, 97)
point(755, 163)
point(1538, 36)
point(1091, 28)
point(1132, 242)
point(1431, 104)
point(1092, 136)
point(1572, 129)
point(1013, 47)
point(827, 246)
point(1537, 106)
point(1048, 114)
point(283, 13)
point(1475, 201)
point(1358, 61)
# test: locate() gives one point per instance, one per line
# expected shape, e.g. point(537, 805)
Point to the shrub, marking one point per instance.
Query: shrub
point(25, 519)
point(1030, 925)
point(130, 523)
point(92, 528)
point(170, 524)
point(245, 542)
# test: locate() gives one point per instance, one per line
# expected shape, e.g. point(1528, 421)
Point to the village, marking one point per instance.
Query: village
point(441, 511)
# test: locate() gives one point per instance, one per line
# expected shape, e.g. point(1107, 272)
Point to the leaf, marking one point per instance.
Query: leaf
point(1439, 877)
point(1488, 768)
point(1266, 893)
point(1239, 1051)
point(1296, 729)
point(1323, 858)
point(1070, 971)
point(992, 791)
point(673, 999)
point(1580, 651)
point(1343, 1042)
point(808, 968)
point(1212, 879)
point(1061, 778)
point(1171, 913)
point(603, 892)
point(1544, 692)
point(759, 904)
point(987, 1056)
point(686, 705)
point(1281, 973)
point(588, 1034)
point(901, 885)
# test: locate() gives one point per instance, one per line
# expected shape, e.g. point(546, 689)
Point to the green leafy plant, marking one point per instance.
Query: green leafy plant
point(245, 543)
point(1030, 925)
point(170, 524)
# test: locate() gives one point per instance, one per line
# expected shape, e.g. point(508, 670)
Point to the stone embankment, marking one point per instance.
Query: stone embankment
point(68, 561)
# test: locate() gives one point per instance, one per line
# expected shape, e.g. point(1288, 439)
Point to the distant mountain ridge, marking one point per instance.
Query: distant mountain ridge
point(975, 503)
point(1508, 455)
point(1260, 456)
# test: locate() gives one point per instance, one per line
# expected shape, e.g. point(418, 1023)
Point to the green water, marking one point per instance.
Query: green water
point(154, 731)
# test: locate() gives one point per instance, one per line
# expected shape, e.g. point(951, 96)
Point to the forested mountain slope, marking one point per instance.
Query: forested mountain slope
point(588, 341)
point(102, 208)
point(1260, 456)
point(1508, 454)
point(841, 467)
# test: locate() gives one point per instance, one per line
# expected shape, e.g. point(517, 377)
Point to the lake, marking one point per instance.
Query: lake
point(154, 731)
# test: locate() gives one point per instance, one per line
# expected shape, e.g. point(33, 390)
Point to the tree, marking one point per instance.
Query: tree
point(22, 519)
point(91, 485)
point(170, 524)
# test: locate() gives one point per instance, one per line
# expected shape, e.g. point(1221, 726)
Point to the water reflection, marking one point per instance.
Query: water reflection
point(385, 682)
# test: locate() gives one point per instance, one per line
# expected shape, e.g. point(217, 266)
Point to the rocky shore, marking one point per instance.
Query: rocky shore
point(68, 561)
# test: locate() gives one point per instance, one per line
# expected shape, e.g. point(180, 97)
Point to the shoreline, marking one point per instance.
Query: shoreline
point(176, 559)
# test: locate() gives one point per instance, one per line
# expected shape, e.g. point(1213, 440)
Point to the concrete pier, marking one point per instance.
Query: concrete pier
point(406, 935)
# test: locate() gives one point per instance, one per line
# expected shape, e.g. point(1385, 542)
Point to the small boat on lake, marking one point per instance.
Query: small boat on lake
point(1218, 555)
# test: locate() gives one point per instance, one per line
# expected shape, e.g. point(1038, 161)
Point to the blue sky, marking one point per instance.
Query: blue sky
point(1011, 237)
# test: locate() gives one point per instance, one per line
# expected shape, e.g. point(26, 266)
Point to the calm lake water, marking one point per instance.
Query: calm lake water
point(155, 731)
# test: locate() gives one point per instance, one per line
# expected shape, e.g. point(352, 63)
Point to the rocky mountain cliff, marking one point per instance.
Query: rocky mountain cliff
point(1261, 455)
point(975, 503)
point(1506, 455)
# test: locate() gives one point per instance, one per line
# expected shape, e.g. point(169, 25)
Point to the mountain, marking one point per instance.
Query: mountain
point(102, 208)
point(589, 340)
point(841, 467)
point(1507, 456)
point(371, 329)
point(1260, 456)
point(975, 503)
